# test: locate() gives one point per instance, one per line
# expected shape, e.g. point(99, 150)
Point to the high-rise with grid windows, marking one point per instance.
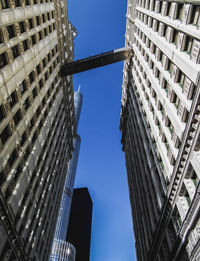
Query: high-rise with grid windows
point(160, 127)
point(37, 123)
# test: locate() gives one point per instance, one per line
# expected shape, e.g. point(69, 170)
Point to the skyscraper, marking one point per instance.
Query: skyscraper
point(37, 124)
point(64, 212)
point(78, 101)
point(160, 127)
point(80, 223)
point(63, 218)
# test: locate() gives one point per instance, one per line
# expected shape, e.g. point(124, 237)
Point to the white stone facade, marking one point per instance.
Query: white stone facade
point(165, 76)
point(37, 123)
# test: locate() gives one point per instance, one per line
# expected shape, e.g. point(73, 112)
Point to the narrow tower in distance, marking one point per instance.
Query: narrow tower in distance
point(61, 249)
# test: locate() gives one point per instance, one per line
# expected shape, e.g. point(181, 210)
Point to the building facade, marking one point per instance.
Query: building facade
point(80, 223)
point(37, 124)
point(160, 127)
point(64, 212)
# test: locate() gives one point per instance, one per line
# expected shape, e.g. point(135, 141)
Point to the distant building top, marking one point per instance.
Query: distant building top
point(74, 31)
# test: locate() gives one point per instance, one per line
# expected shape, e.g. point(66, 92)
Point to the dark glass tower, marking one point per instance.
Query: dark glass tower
point(80, 222)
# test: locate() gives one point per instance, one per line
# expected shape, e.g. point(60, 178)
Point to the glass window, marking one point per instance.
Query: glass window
point(38, 69)
point(17, 3)
point(23, 138)
point(40, 35)
point(175, 37)
point(22, 87)
point(1, 37)
point(30, 21)
point(26, 104)
point(15, 51)
point(3, 60)
point(25, 45)
point(4, 4)
point(2, 113)
point(188, 44)
point(38, 20)
point(22, 27)
point(17, 117)
point(13, 99)
point(34, 92)
point(45, 31)
point(31, 77)
point(34, 40)
point(5, 134)
point(179, 11)
point(181, 79)
point(12, 157)
point(41, 84)
point(11, 31)
point(195, 16)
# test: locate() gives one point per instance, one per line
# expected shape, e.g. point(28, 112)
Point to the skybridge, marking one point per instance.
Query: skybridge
point(96, 61)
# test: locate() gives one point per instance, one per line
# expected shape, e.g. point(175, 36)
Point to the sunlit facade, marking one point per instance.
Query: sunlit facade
point(37, 124)
point(160, 127)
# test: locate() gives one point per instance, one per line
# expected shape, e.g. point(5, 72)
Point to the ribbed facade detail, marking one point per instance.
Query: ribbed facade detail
point(160, 127)
point(63, 251)
point(37, 124)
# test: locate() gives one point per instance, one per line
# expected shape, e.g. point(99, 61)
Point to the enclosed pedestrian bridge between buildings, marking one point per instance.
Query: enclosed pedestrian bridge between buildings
point(96, 61)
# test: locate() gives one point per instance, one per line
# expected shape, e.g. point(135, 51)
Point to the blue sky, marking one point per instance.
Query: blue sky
point(101, 166)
